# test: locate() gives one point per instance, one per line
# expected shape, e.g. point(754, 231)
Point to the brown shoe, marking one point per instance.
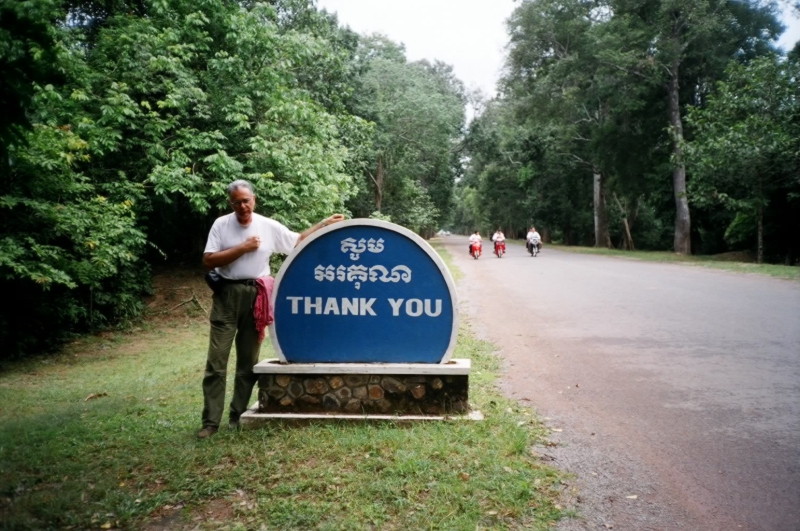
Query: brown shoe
point(207, 432)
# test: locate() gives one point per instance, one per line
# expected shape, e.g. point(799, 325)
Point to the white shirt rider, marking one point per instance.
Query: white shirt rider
point(533, 236)
point(499, 237)
point(475, 238)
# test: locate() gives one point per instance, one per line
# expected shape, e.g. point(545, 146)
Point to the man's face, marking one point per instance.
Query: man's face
point(243, 203)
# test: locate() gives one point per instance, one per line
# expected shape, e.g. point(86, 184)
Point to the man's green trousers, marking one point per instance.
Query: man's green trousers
point(231, 317)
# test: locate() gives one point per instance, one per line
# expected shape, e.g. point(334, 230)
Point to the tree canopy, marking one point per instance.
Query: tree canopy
point(127, 120)
point(613, 128)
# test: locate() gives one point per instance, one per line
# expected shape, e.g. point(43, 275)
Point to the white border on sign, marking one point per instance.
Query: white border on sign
point(425, 246)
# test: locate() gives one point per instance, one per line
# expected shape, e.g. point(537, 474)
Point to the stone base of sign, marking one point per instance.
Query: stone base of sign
point(253, 419)
point(359, 389)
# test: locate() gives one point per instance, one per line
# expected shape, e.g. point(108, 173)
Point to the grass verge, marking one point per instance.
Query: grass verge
point(103, 437)
point(712, 261)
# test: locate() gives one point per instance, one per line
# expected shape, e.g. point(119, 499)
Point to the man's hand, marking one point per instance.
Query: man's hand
point(336, 218)
point(251, 244)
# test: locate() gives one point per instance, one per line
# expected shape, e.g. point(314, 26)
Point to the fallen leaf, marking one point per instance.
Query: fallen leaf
point(632, 497)
point(95, 395)
point(557, 430)
point(509, 470)
point(106, 525)
point(492, 513)
point(464, 476)
point(122, 484)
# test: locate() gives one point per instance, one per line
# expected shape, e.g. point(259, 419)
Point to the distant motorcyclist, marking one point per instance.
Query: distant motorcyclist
point(474, 238)
point(533, 238)
point(498, 238)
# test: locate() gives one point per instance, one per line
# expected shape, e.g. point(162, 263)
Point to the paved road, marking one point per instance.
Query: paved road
point(675, 384)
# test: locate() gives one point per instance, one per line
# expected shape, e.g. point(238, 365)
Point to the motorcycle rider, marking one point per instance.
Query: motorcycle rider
point(474, 238)
point(498, 237)
point(533, 237)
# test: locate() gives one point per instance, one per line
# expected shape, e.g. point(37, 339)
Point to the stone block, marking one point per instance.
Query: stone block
point(353, 406)
point(384, 405)
point(308, 399)
point(437, 383)
point(295, 389)
point(360, 392)
point(374, 379)
point(344, 393)
point(336, 382)
point(330, 402)
point(316, 386)
point(393, 385)
point(286, 401)
point(276, 392)
point(375, 392)
point(355, 380)
point(283, 380)
point(418, 392)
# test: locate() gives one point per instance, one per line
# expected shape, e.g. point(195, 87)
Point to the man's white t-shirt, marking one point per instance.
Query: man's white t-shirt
point(227, 232)
point(532, 235)
point(475, 238)
point(499, 237)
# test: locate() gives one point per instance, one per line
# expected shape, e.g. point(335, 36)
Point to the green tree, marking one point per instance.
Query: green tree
point(160, 108)
point(745, 149)
point(418, 111)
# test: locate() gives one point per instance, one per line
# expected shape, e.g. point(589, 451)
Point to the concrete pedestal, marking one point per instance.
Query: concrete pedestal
point(357, 389)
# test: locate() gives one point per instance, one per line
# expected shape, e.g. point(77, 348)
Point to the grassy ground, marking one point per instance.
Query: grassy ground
point(102, 436)
point(724, 261)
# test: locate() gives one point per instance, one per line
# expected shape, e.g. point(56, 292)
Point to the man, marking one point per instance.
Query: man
point(533, 238)
point(475, 238)
point(239, 247)
point(498, 237)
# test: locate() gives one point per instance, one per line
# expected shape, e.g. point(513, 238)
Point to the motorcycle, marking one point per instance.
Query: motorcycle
point(499, 249)
point(475, 250)
point(533, 247)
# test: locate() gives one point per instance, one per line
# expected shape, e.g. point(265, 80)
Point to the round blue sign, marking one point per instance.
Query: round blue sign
point(364, 291)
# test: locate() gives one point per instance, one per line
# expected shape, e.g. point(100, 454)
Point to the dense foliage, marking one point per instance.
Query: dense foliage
point(128, 119)
point(651, 124)
point(589, 138)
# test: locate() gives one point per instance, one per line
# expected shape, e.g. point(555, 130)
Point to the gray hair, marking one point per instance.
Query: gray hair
point(240, 183)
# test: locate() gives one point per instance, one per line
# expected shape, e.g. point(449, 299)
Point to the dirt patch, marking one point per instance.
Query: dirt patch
point(735, 256)
point(180, 518)
point(179, 293)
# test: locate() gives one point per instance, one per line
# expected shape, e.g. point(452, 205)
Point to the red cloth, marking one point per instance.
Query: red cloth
point(262, 310)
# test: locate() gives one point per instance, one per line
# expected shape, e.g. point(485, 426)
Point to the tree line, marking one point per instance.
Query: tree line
point(647, 124)
point(126, 119)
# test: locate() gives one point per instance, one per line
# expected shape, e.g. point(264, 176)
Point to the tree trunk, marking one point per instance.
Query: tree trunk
point(379, 184)
point(683, 241)
point(627, 239)
point(601, 235)
point(760, 255)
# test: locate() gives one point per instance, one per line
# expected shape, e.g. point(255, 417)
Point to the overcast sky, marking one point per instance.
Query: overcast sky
point(468, 34)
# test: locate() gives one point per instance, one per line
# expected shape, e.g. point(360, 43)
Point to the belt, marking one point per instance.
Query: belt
point(245, 281)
